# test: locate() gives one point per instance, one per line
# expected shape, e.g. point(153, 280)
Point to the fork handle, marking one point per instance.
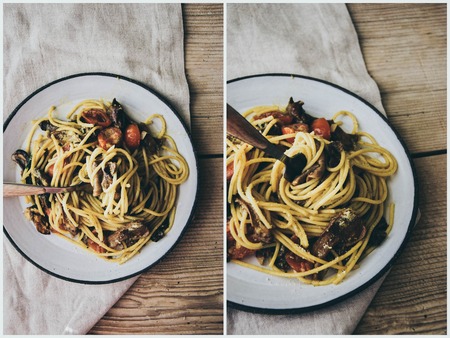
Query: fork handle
point(17, 189)
point(239, 127)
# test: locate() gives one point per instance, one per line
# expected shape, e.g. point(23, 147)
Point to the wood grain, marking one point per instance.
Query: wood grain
point(404, 47)
point(203, 26)
point(413, 298)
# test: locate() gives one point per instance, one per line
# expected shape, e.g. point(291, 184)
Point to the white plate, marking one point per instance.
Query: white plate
point(55, 255)
point(255, 291)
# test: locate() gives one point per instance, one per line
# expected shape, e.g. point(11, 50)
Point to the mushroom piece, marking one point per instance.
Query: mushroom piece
point(344, 230)
point(45, 125)
point(348, 141)
point(296, 110)
point(317, 170)
point(151, 143)
point(42, 178)
point(21, 157)
point(258, 231)
point(108, 174)
point(40, 221)
point(117, 115)
point(127, 235)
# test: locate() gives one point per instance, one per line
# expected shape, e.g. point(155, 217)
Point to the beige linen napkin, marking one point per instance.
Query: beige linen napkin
point(317, 40)
point(44, 42)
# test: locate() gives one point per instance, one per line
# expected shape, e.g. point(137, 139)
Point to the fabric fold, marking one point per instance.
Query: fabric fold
point(45, 42)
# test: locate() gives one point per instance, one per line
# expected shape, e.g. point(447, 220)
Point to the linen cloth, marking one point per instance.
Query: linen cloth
point(317, 40)
point(44, 42)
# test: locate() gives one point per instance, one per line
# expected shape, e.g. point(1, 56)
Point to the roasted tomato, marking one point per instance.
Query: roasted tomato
point(293, 129)
point(321, 127)
point(96, 117)
point(230, 171)
point(282, 117)
point(132, 136)
point(109, 137)
point(297, 263)
point(94, 246)
point(240, 252)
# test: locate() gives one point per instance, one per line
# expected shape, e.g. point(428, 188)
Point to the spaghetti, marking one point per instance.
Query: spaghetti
point(129, 178)
point(320, 226)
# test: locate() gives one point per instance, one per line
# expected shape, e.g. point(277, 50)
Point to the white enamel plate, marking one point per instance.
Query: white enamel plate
point(55, 255)
point(255, 291)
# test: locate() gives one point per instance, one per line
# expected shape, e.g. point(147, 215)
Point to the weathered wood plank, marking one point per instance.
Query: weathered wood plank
point(413, 297)
point(404, 47)
point(204, 70)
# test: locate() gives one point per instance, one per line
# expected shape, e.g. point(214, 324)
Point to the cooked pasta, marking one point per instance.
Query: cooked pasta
point(320, 226)
point(128, 172)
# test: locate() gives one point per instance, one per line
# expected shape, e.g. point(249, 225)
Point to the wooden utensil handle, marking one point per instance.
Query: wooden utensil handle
point(239, 127)
point(16, 189)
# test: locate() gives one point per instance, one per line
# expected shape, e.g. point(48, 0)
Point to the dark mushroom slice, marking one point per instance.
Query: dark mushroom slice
point(118, 116)
point(66, 136)
point(160, 232)
point(333, 153)
point(152, 144)
point(40, 221)
point(97, 187)
point(21, 157)
point(65, 224)
point(317, 170)
point(348, 141)
point(296, 110)
point(42, 178)
point(344, 230)
point(46, 125)
point(379, 233)
point(127, 235)
point(108, 173)
point(45, 203)
point(258, 231)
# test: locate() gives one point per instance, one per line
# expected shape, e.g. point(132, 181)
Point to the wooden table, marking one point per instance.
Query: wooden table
point(183, 294)
point(404, 46)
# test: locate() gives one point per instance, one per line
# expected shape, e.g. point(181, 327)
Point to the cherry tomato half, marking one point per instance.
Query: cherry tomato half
point(293, 129)
point(109, 137)
point(96, 247)
point(321, 128)
point(284, 118)
point(297, 263)
point(230, 171)
point(132, 136)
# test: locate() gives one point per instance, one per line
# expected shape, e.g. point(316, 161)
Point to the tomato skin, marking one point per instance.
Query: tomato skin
point(96, 117)
point(239, 252)
point(132, 136)
point(293, 129)
point(297, 263)
point(321, 128)
point(282, 117)
point(109, 137)
point(94, 246)
point(230, 171)
point(51, 169)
